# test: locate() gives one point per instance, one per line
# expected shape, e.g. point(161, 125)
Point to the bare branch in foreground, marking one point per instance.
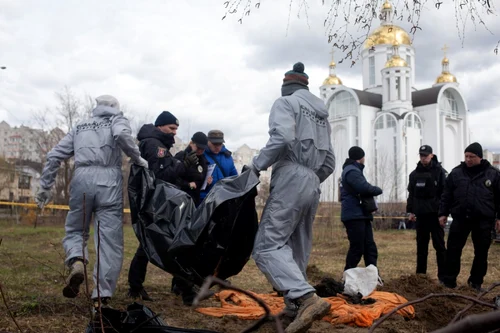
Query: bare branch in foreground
point(205, 293)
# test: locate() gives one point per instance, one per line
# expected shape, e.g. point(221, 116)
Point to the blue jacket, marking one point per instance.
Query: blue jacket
point(354, 184)
point(225, 161)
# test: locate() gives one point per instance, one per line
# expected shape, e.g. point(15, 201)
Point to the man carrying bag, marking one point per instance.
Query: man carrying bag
point(358, 204)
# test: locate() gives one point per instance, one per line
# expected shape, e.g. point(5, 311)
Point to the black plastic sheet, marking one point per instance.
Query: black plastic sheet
point(214, 239)
point(137, 319)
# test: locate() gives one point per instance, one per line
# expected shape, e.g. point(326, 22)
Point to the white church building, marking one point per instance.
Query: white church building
point(390, 119)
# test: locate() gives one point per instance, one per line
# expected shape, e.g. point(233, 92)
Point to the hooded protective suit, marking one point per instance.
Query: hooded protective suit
point(300, 152)
point(97, 144)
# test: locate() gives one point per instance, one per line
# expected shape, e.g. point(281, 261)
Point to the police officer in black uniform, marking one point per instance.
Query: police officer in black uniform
point(472, 197)
point(194, 177)
point(155, 142)
point(425, 187)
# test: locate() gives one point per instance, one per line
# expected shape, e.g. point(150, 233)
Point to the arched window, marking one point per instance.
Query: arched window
point(343, 105)
point(391, 122)
point(417, 123)
point(448, 104)
point(413, 121)
point(379, 124)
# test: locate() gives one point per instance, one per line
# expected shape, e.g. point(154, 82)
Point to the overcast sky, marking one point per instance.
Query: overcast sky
point(180, 56)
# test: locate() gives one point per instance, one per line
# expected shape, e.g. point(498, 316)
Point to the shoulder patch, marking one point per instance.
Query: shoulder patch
point(161, 152)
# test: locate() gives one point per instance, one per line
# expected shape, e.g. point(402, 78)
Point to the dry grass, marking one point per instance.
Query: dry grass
point(32, 275)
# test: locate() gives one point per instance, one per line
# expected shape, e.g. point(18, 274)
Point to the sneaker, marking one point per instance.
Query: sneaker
point(475, 286)
point(142, 294)
point(310, 309)
point(74, 280)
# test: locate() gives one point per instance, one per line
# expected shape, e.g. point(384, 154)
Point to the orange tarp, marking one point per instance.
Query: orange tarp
point(242, 306)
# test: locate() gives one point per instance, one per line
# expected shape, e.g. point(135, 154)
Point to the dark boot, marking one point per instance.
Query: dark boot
point(75, 279)
point(310, 309)
point(142, 294)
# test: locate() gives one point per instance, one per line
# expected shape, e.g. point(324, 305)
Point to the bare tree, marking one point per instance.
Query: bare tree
point(69, 111)
point(348, 23)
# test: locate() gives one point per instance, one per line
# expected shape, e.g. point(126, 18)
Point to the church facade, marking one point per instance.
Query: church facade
point(390, 119)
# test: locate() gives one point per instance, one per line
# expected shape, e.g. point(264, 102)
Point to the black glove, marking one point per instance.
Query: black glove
point(251, 167)
point(191, 159)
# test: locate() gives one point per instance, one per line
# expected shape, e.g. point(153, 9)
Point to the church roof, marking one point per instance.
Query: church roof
point(425, 96)
point(368, 98)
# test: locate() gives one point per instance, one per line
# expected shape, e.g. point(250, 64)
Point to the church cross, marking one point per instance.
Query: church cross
point(332, 52)
point(445, 49)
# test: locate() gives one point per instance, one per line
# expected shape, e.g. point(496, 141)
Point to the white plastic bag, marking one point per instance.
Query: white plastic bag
point(362, 280)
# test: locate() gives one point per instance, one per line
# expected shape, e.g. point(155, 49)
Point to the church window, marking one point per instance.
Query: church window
point(408, 94)
point(448, 104)
point(371, 67)
point(398, 86)
point(379, 124)
point(343, 105)
point(408, 60)
point(391, 122)
point(418, 123)
point(409, 121)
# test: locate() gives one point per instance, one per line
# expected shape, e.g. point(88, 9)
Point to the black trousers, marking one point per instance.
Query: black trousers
point(361, 243)
point(428, 228)
point(460, 229)
point(138, 269)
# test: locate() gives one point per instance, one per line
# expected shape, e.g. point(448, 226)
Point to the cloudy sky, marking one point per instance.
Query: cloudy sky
point(180, 56)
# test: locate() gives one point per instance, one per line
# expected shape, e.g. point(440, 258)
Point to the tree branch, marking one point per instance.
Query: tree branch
point(479, 323)
point(472, 299)
point(205, 293)
point(481, 294)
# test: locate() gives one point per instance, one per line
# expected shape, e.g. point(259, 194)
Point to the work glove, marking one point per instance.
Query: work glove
point(142, 162)
point(191, 159)
point(43, 196)
point(251, 167)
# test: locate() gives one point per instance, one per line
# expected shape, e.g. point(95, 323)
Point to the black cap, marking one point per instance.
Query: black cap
point(166, 118)
point(216, 136)
point(425, 150)
point(356, 153)
point(200, 140)
point(475, 148)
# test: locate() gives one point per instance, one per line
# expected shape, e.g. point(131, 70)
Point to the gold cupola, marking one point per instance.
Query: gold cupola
point(446, 76)
point(387, 33)
point(332, 79)
point(395, 60)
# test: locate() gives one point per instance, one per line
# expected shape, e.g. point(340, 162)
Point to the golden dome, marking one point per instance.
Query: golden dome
point(333, 64)
point(446, 78)
point(445, 61)
point(387, 5)
point(387, 34)
point(332, 80)
point(396, 61)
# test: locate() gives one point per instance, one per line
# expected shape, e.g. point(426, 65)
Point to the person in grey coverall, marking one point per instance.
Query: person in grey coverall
point(97, 144)
point(300, 152)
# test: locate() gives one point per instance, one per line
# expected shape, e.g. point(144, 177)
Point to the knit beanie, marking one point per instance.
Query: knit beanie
point(356, 153)
point(296, 75)
point(475, 148)
point(166, 118)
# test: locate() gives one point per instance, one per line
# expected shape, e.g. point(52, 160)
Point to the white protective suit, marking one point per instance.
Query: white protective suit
point(300, 152)
point(97, 144)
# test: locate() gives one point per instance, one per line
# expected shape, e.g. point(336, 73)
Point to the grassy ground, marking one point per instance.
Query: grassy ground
point(32, 277)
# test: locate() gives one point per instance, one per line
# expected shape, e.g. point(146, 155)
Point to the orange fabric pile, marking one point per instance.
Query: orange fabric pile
point(242, 306)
